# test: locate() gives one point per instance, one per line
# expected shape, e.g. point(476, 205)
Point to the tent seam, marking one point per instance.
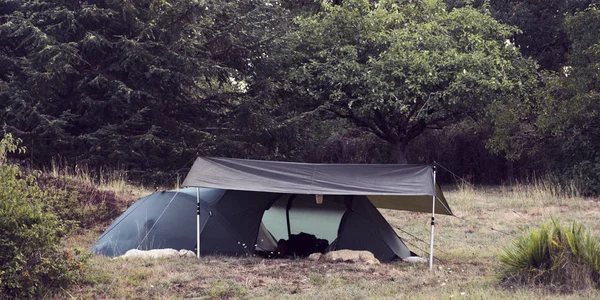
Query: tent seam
point(157, 219)
point(112, 226)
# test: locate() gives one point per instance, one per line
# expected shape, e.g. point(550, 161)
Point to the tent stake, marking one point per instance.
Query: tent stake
point(432, 222)
point(198, 222)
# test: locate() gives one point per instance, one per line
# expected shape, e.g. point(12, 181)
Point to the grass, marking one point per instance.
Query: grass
point(104, 179)
point(468, 246)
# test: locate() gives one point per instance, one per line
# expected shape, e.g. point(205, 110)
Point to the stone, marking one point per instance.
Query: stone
point(157, 253)
point(350, 256)
point(416, 259)
point(315, 256)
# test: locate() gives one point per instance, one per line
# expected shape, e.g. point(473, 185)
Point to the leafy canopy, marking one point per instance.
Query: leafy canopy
point(397, 68)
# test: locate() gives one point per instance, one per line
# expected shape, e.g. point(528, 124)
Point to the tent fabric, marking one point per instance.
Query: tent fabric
point(351, 221)
point(363, 224)
point(265, 241)
point(229, 224)
point(238, 223)
point(140, 227)
point(402, 187)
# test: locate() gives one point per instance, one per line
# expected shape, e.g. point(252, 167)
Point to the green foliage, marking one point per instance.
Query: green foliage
point(78, 203)
point(543, 35)
point(461, 148)
point(147, 85)
point(560, 129)
point(566, 258)
point(32, 264)
point(140, 85)
point(224, 290)
point(397, 68)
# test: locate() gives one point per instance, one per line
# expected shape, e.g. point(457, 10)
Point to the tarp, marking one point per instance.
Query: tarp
point(402, 187)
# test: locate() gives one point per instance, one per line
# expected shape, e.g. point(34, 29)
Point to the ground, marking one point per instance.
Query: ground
point(487, 219)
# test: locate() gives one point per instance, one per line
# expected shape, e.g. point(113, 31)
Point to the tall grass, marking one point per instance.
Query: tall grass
point(542, 191)
point(565, 258)
point(467, 197)
point(107, 179)
point(535, 192)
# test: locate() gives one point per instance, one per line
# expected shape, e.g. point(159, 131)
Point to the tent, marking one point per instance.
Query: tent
point(167, 219)
point(242, 206)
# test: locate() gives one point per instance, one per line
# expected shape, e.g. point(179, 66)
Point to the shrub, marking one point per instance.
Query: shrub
point(564, 258)
point(32, 263)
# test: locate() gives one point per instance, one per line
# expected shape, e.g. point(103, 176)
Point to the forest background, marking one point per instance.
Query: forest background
point(496, 91)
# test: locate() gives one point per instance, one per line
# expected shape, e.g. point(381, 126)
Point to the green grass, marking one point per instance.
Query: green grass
point(488, 219)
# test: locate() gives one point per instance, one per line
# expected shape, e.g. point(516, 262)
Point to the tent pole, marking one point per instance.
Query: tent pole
point(432, 222)
point(287, 216)
point(198, 222)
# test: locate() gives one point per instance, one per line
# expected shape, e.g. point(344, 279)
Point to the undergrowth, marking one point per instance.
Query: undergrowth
point(32, 262)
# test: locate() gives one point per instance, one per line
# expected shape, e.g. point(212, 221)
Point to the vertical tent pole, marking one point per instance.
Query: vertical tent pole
point(198, 222)
point(432, 222)
point(287, 216)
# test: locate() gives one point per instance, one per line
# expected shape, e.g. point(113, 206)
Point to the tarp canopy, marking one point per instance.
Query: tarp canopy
point(401, 187)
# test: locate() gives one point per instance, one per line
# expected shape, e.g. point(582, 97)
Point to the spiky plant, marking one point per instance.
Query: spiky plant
point(564, 258)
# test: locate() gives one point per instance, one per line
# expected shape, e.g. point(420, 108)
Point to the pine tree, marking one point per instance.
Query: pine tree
point(125, 83)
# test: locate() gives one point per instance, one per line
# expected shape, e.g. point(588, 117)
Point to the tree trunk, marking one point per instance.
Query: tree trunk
point(399, 153)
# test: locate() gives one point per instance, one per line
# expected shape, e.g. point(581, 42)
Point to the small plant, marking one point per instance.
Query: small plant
point(224, 290)
point(564, 258)
point(317, 279)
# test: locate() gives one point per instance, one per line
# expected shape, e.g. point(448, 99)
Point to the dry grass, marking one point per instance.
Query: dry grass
point(104, 179)
point(487, 219)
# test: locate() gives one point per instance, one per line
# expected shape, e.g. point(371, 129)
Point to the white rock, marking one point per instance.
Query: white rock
point(416, 259)
point(350, 256)
point(315, 256)
point(157, 253)
point(186, 253)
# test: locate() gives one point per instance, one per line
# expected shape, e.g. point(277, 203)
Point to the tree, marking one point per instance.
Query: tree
point(560, 129)
point(543, 36)
point(397, 68)
point(570, 114)
point(137, 84)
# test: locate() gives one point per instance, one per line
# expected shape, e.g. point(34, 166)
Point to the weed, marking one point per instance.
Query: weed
point(137, 279)
point(224, 290)
point(316, 279)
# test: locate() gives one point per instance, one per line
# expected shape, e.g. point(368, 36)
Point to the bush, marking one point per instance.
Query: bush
point(32, 263)
point(564, 258)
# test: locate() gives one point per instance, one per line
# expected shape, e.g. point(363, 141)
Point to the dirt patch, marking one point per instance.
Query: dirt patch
point(293, 273)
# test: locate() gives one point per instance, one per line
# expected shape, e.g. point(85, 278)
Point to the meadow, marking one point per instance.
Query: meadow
point(467, 246)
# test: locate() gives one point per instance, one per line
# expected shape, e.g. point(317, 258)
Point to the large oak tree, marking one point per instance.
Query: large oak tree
point(397, 68)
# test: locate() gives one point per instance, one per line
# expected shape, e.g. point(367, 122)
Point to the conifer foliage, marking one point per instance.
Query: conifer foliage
point(125, 83)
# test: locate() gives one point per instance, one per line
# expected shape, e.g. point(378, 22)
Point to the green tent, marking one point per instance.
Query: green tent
point(244, 206)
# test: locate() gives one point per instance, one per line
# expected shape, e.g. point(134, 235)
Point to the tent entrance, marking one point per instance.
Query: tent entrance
point(305, 216)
